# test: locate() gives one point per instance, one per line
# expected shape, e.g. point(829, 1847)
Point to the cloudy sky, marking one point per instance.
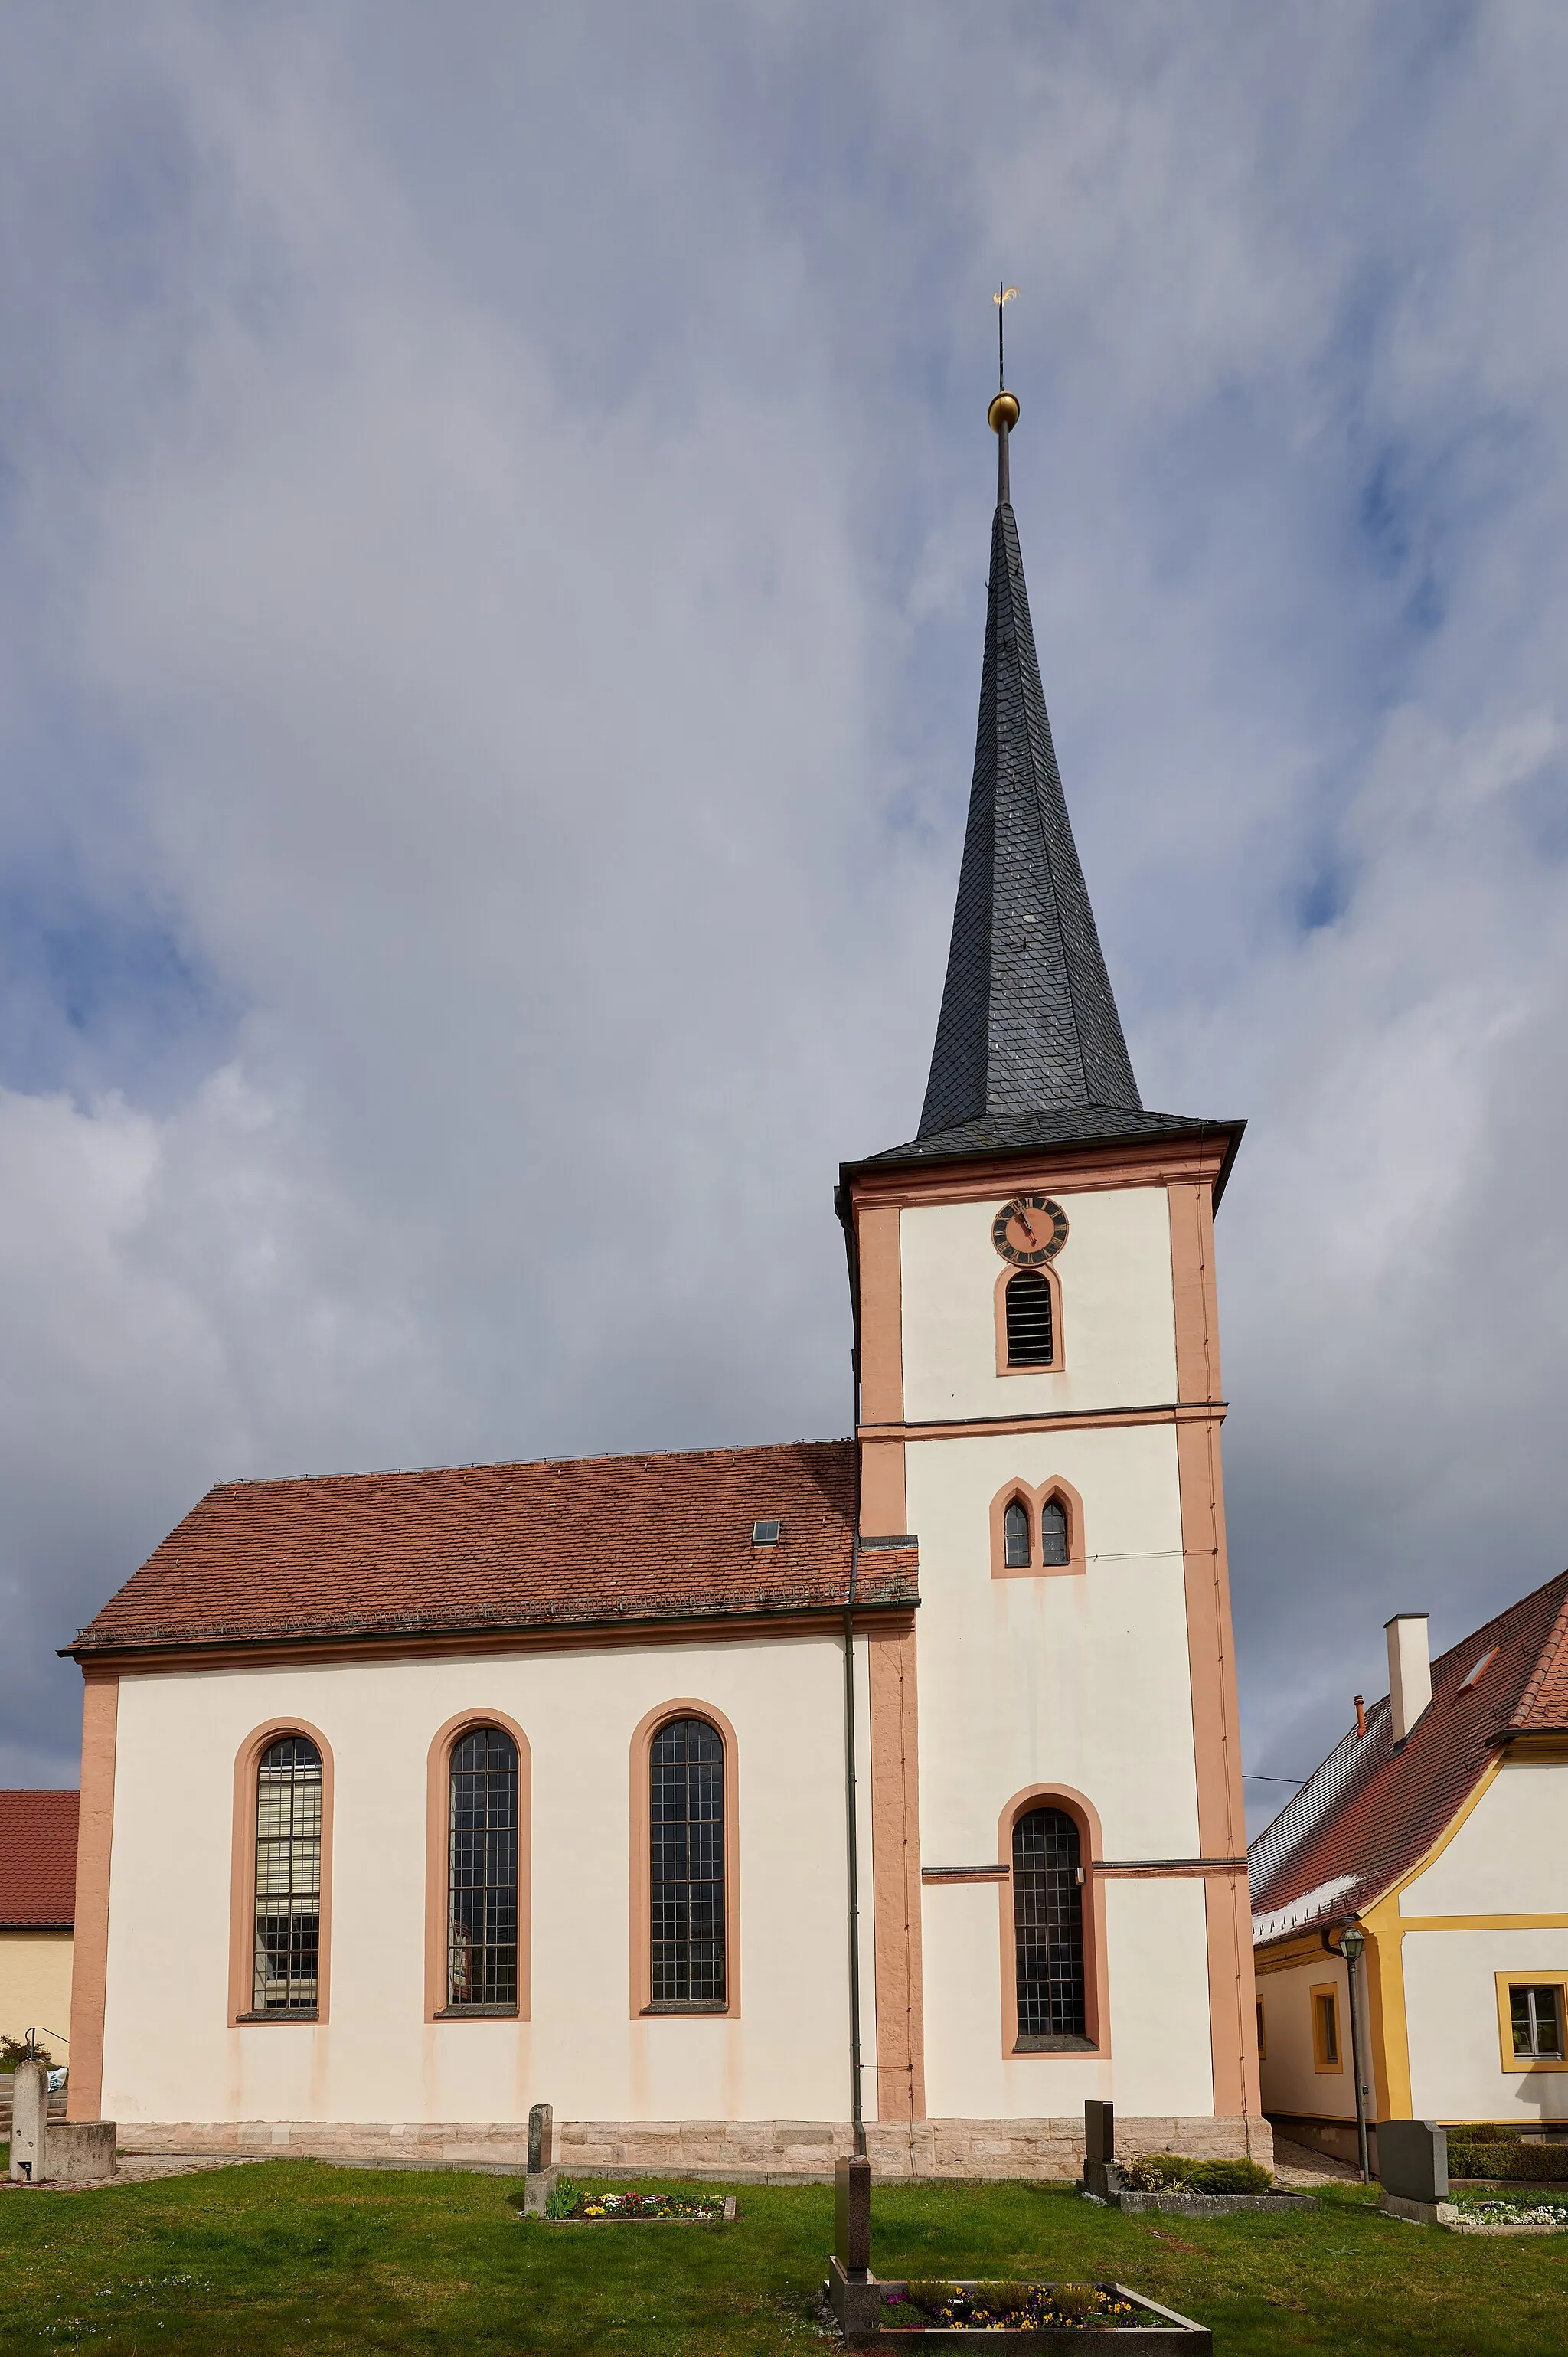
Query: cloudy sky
point(494, 507)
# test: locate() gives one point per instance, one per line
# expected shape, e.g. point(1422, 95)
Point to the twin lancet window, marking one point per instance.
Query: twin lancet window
point(1018, 1538)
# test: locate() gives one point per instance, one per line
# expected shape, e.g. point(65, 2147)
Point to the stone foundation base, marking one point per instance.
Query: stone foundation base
point(784, 2152)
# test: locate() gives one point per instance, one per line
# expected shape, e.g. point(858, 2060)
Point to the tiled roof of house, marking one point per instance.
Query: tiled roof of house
point(1372, 1811)
point(37, 1863)
point(563, 1543)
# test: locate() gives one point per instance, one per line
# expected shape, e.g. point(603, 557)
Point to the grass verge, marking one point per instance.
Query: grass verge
point(296, 2254)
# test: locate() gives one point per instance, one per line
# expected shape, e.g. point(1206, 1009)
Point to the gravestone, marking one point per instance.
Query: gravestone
point(1100, 2148)
point(30, 2123)
point(1412, 2162)
point(853, 2291)
point(540, 2182)
point(852, 2217)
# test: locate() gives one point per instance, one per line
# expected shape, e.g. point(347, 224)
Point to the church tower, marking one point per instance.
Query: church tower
point(1060, 1903)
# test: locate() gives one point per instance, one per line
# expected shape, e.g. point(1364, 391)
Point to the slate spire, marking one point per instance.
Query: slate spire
point(1029, 1025)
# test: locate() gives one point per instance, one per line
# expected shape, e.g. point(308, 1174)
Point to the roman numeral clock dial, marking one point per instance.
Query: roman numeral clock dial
point(1029, 1229)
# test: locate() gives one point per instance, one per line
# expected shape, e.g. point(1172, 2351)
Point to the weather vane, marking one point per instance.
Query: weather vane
point(1002, 296)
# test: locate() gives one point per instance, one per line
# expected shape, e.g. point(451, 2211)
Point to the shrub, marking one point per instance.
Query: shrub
point(1229, 2177)
point(1150, 2172)
point(1003, 2298)
point(1077, 2300)
point(929, 2294)
point(1542, 2162)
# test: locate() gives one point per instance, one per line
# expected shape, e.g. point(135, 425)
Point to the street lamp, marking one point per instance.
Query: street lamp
point(1352, 1940)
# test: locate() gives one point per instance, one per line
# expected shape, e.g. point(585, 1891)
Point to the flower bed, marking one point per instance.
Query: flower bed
point(1505, 2217)
point(1009, 2307)
point(569, 2202)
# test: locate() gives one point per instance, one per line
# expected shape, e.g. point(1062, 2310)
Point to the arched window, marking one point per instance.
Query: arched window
point(1053, 1533)
point(481, 1916)
point(1047, 1922)
point(287, 1954)
point(686, 1866)
point(1031, 1339)
point(1015, 1536)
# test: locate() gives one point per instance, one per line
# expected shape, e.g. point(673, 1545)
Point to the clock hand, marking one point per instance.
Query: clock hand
point(1028, 1231)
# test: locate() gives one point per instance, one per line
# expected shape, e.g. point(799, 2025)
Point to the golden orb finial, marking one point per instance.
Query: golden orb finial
point(1002, 415)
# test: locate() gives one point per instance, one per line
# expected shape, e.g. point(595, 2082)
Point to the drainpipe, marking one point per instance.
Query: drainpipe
point(851, 1828)
point(1352, 1940)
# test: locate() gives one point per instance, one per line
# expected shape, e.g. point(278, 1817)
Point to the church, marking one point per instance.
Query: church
point(745, 1805)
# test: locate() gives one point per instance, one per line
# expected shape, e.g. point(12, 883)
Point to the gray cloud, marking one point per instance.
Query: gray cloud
point(493, 516)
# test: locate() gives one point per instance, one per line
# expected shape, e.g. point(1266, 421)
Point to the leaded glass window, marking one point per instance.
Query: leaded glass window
point(1537, 2018)
point(1030, 1339)
point(1047, 1926)
point(1053, 1532)
point(1015, 1536)
point(481, 1915)
point(686, 1855)
point(288, 1877)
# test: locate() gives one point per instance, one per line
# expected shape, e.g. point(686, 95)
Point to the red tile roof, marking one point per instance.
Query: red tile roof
point(38, 1861)
point(585, 1541)
point(1372, 1811)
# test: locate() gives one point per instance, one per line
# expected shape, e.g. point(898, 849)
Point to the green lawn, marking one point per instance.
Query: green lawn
point(297, 2256)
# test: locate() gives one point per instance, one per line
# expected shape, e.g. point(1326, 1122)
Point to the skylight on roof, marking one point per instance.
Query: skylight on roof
point(1484, 1664)
point(767, 1533)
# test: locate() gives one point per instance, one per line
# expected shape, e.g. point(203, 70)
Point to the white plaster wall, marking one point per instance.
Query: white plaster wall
point(1510, 1855)
point(1074, 1680)
point(1451, 2015)
point(1290, 2080)
point(169, 2053)
point(1118, 1310)
point(1077, 1677)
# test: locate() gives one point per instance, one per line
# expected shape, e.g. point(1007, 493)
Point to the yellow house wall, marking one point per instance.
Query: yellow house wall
point(35, 1987)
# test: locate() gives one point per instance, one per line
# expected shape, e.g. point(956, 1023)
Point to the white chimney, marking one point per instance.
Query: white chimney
point(1409, 1670)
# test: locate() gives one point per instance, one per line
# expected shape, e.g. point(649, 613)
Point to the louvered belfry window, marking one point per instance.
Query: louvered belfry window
point(288, 1877)
point(686, 1853)
point(1030, 1334)
point(482, 1967)
point(1047, 1921)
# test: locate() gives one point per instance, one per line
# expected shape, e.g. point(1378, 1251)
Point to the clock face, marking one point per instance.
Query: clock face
point(1029, 1229)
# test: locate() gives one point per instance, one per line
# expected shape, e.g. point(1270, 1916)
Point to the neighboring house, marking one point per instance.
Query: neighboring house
point(414, 1799)
point(1440, 1826)
point(37, 1905)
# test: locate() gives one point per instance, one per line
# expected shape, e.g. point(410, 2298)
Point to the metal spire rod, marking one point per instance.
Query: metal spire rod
point(1004, 408)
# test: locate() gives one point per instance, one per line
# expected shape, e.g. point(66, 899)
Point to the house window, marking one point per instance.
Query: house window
point(1262, 2044)
point(1015, 1536)
point(686, 1868)
point(1535, 2017)
point(1031, 1340)
point(481, 1883)
point(287, 1953)
point(1325, 2029)
point(1053, 1533)
point(1047, 1928)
